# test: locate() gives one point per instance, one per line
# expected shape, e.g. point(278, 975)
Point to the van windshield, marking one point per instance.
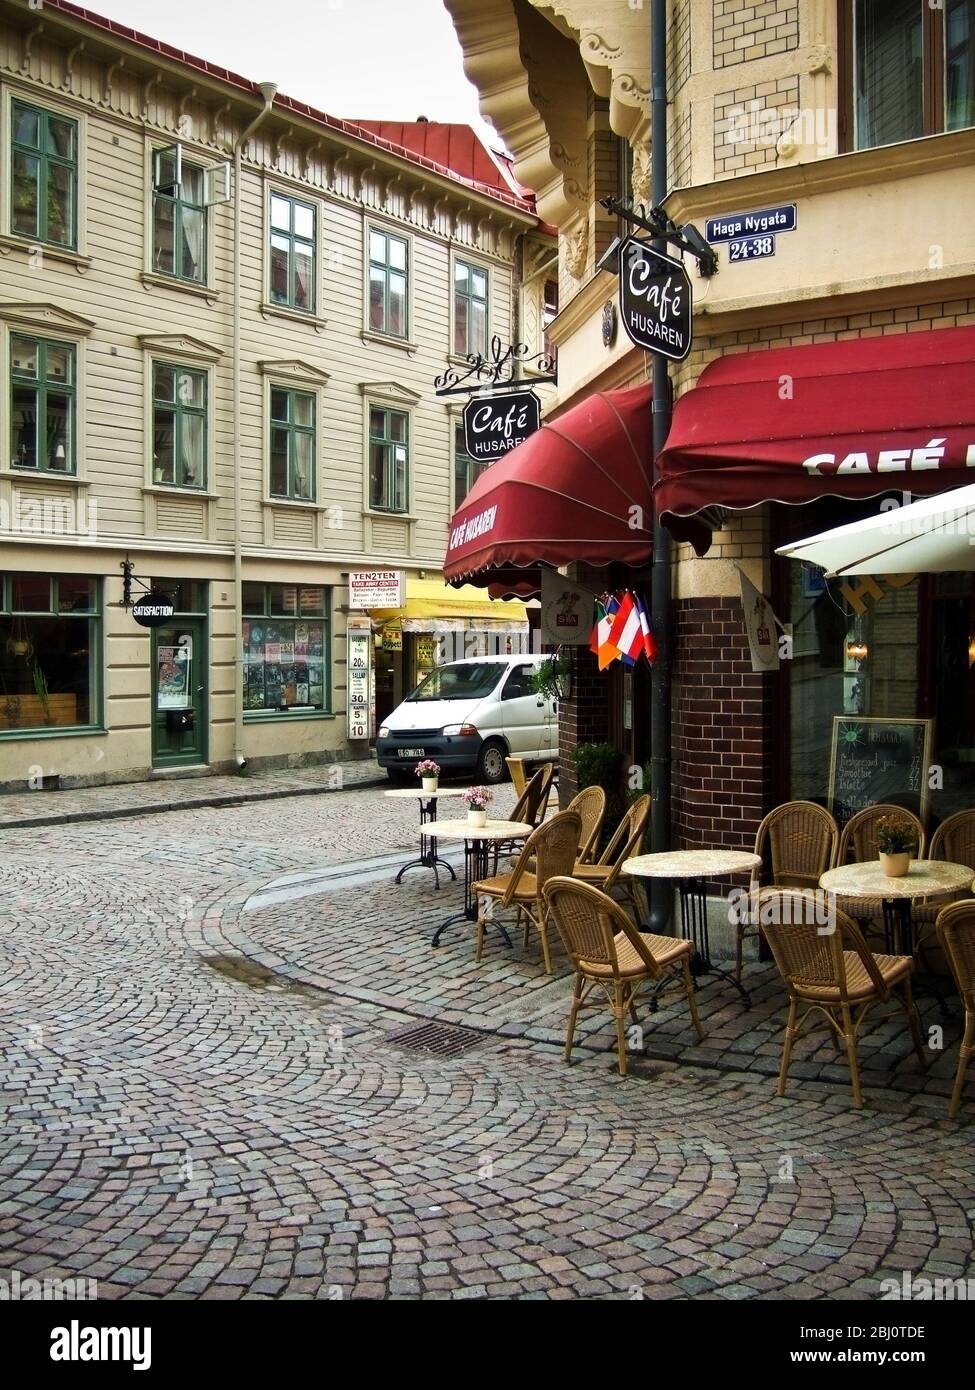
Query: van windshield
point(464, 680)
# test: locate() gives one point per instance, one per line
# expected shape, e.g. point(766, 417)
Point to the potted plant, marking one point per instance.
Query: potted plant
point(896, 840)
point(551, 680)
point(42, 692)
point(478, 799)
point(428, 771)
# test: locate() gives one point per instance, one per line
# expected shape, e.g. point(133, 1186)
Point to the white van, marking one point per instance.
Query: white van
point(469, 716)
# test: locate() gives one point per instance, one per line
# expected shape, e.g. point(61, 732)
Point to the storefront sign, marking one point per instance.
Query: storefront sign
point(655, 300)
point(751, 248)
point(878, 760)
point(376, 589)
point(762, 221)
point(494, 427)
point(392, 637)
point(358, 685)
point(566, 611)
point(153, 609)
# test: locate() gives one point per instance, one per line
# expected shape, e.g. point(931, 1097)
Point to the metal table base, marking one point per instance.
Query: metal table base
point(429, 858)
point(476, 856)
point(694, 927)
point(899, 940)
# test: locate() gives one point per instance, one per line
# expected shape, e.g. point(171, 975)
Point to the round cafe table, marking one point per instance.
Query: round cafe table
point(690, 869)
point(477, 851)
point(867, 883)
point(429, 858)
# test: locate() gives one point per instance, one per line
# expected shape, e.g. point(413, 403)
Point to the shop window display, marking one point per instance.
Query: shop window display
point(285, 634)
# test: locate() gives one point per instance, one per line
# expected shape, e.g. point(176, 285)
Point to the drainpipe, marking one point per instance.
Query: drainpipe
point(661, 897)
point(268, 90)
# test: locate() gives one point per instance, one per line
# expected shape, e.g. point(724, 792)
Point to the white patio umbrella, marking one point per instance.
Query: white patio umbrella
point(929, 536)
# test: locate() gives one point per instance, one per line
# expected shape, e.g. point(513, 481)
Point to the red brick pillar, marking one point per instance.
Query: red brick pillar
point(722, 728)
point(583, 719)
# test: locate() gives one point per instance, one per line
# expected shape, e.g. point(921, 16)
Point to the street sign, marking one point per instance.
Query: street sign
point(746, 224)
point(153, 609)
point(493, 427)
point(655, 300)
point(751, 248)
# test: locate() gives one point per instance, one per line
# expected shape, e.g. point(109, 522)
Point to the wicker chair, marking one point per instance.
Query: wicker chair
point(801, 839)
point(859, 835)
point(552, 848)
point(591, 806)
point(627, 841)
point(832, 972)
point(954, 840)
point(608, 952)
point(956, 935)
point(529, 808)
point(518, 774)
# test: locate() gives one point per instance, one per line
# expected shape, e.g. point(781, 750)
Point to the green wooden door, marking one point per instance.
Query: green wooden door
point(180, 707)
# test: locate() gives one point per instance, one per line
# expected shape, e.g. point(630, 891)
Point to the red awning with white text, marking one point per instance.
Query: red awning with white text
point(577, 489)
point(849, 419)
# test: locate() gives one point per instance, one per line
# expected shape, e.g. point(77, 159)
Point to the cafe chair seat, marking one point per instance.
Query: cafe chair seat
point(664, 949)
point(551, 850)
point(956, 936)
point(611, 958)
point(832, 974)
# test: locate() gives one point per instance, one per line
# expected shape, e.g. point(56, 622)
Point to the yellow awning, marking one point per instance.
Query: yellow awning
point(431, 603)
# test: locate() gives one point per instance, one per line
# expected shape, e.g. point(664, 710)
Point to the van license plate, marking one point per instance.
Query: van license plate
point(411, 752)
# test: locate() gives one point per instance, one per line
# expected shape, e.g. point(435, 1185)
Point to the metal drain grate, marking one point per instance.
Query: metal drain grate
point(440, 1038)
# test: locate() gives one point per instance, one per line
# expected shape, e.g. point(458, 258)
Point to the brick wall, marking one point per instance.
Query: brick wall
point(722, 731)
point(747, 29)
point(748, 122)
point(583, 719)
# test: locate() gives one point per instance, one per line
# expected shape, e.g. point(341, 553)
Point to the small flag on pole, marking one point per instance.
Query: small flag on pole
point(607, 651)
point(649, 641)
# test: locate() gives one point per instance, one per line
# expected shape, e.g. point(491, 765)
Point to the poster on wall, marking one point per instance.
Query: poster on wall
point(359, 640)
point(172, 677)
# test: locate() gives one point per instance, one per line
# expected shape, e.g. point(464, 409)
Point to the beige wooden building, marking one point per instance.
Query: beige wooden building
point(862, 115)
point(221, 317)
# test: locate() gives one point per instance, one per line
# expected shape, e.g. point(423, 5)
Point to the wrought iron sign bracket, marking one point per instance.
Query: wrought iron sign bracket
point(482, 373)
point(658, 224)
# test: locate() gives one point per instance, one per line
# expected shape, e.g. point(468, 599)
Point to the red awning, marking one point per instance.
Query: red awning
point(578, 489)
point(850, 419)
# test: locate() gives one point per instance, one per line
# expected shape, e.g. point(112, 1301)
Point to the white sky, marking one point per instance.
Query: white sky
point(371, 59)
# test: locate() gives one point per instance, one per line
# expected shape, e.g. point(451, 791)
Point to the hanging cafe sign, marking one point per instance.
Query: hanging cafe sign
point(495, 425)
point(655, 292)
point(655, 300)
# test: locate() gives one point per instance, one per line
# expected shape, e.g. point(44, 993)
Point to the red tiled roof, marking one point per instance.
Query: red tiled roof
point(483, 176)
point(457, 147)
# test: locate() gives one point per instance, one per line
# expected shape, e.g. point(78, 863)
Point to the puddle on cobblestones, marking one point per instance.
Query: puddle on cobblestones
point(247, 972)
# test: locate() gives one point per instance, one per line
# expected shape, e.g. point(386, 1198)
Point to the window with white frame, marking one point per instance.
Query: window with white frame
point(179, 426)
point(293, 440)
point(389, 459)
point(292, 252)
point(44, 175)
point(470, 308)
point(43, 401)
point(388, 283)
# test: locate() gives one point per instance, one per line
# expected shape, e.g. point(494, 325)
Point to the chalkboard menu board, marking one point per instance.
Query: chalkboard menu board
point(873, 760)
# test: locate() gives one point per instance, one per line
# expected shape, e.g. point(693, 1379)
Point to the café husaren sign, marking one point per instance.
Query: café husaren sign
point(655, 300)
point(495, 426)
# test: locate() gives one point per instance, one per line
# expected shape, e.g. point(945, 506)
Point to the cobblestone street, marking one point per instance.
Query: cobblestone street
point(202, 1101)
